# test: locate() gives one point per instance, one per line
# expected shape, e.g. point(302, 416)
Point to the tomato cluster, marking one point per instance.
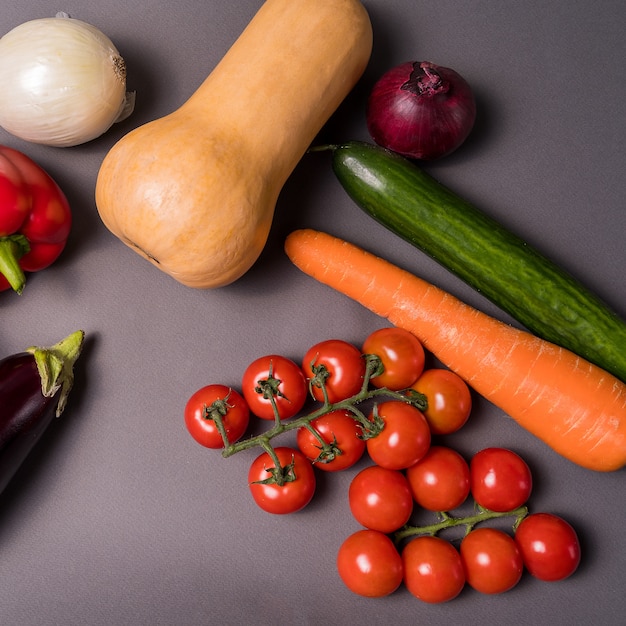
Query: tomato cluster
point(324, 400)
point(374, 562)
point(335, 376)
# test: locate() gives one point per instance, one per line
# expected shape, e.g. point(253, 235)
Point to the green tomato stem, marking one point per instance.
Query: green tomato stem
point(449, 521)
point(323, 444)
point(215, 412)
point(278, 471)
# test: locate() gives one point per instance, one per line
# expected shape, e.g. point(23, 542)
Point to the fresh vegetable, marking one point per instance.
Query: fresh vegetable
point(439, 481)
point(328, 453)
point(281, 482)
point(332, 441)
point(573, 406)
point(492, 560)
point(504, 268)
point(369, 564)
point(63, 82)
point(403, 438)
point(500, 480)
point(195, 192)
point(274, 387)
point(373, 562)
point(34, 388)
point(489, 560)
point(401, 354)
point(421, 110)
point(333, 367)
point(35, 219)
point(380, 499)
point(433, 570)
point(450, 401)
point(549, 546)
point(204, 407)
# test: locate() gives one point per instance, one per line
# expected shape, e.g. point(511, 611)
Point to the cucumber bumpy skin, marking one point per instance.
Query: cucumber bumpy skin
point(517, 278)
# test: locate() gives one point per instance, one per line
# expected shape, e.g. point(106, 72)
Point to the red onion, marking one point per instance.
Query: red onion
point(421, 110)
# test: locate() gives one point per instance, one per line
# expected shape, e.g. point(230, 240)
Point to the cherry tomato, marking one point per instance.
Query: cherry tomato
point(276, 377)
point(211, 401)
point(380, 499)
point(341, 432)
point(297, 489)
point(404, 439)
point(549, 546)
point(492, 560)
point(433, 570)
point(402, 356)
point(441, 480)
point(500, 480)
point(369, 564)
point(449, 400)
point(340, 364)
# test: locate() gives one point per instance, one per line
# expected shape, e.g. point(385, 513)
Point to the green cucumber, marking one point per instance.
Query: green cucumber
point(548, 301)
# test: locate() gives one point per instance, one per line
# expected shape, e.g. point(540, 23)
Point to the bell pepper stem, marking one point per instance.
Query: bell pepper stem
point(12, 248)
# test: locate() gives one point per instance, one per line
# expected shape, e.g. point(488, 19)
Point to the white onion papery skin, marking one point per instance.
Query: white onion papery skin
point(62, 82)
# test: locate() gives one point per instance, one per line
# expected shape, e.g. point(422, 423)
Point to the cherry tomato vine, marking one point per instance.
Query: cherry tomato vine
point(447, 520)
point(351, 404)
point(380, 401)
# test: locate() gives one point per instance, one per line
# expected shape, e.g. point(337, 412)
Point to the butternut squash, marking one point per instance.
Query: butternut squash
point(195, 192)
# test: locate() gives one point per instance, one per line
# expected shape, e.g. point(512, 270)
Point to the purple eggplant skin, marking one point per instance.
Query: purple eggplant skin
point(25, 413)
point(34, 386)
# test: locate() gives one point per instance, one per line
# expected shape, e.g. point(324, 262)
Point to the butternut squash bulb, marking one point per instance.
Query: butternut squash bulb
point(195, 192)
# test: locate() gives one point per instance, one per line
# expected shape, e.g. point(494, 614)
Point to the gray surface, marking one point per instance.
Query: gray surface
point(121, 518)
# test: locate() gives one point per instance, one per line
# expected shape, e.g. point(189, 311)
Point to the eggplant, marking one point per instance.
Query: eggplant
point(34, 387)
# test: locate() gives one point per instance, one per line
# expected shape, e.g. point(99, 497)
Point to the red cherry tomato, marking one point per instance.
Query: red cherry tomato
point(380, 499)
point(449, 400)
point(211, 401)
point(340, 364)
point(297, 489)
point(402, 356)
point(492, 560)
point(341, 432)
point(433, 570)
point(549, 546)
point(404, 439)
point(369, 564)
point(500, 480)
point(441, 480)
point(274, 377)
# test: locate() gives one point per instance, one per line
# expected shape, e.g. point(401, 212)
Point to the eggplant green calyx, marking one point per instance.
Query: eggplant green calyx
point(56, 367)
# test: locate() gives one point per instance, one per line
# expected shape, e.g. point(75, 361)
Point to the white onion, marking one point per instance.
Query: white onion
point(63, 82)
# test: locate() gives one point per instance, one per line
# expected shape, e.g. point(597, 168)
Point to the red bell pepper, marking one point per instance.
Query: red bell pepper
point(35, 219)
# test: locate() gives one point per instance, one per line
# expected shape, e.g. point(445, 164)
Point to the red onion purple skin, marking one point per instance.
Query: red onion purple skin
point(427, 125)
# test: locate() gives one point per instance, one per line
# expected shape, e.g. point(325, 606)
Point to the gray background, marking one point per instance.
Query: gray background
point(120, 518)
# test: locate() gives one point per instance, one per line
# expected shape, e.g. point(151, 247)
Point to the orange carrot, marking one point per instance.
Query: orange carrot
point(576, 408)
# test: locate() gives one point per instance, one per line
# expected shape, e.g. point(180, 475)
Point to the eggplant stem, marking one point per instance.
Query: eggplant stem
point(56, 366)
